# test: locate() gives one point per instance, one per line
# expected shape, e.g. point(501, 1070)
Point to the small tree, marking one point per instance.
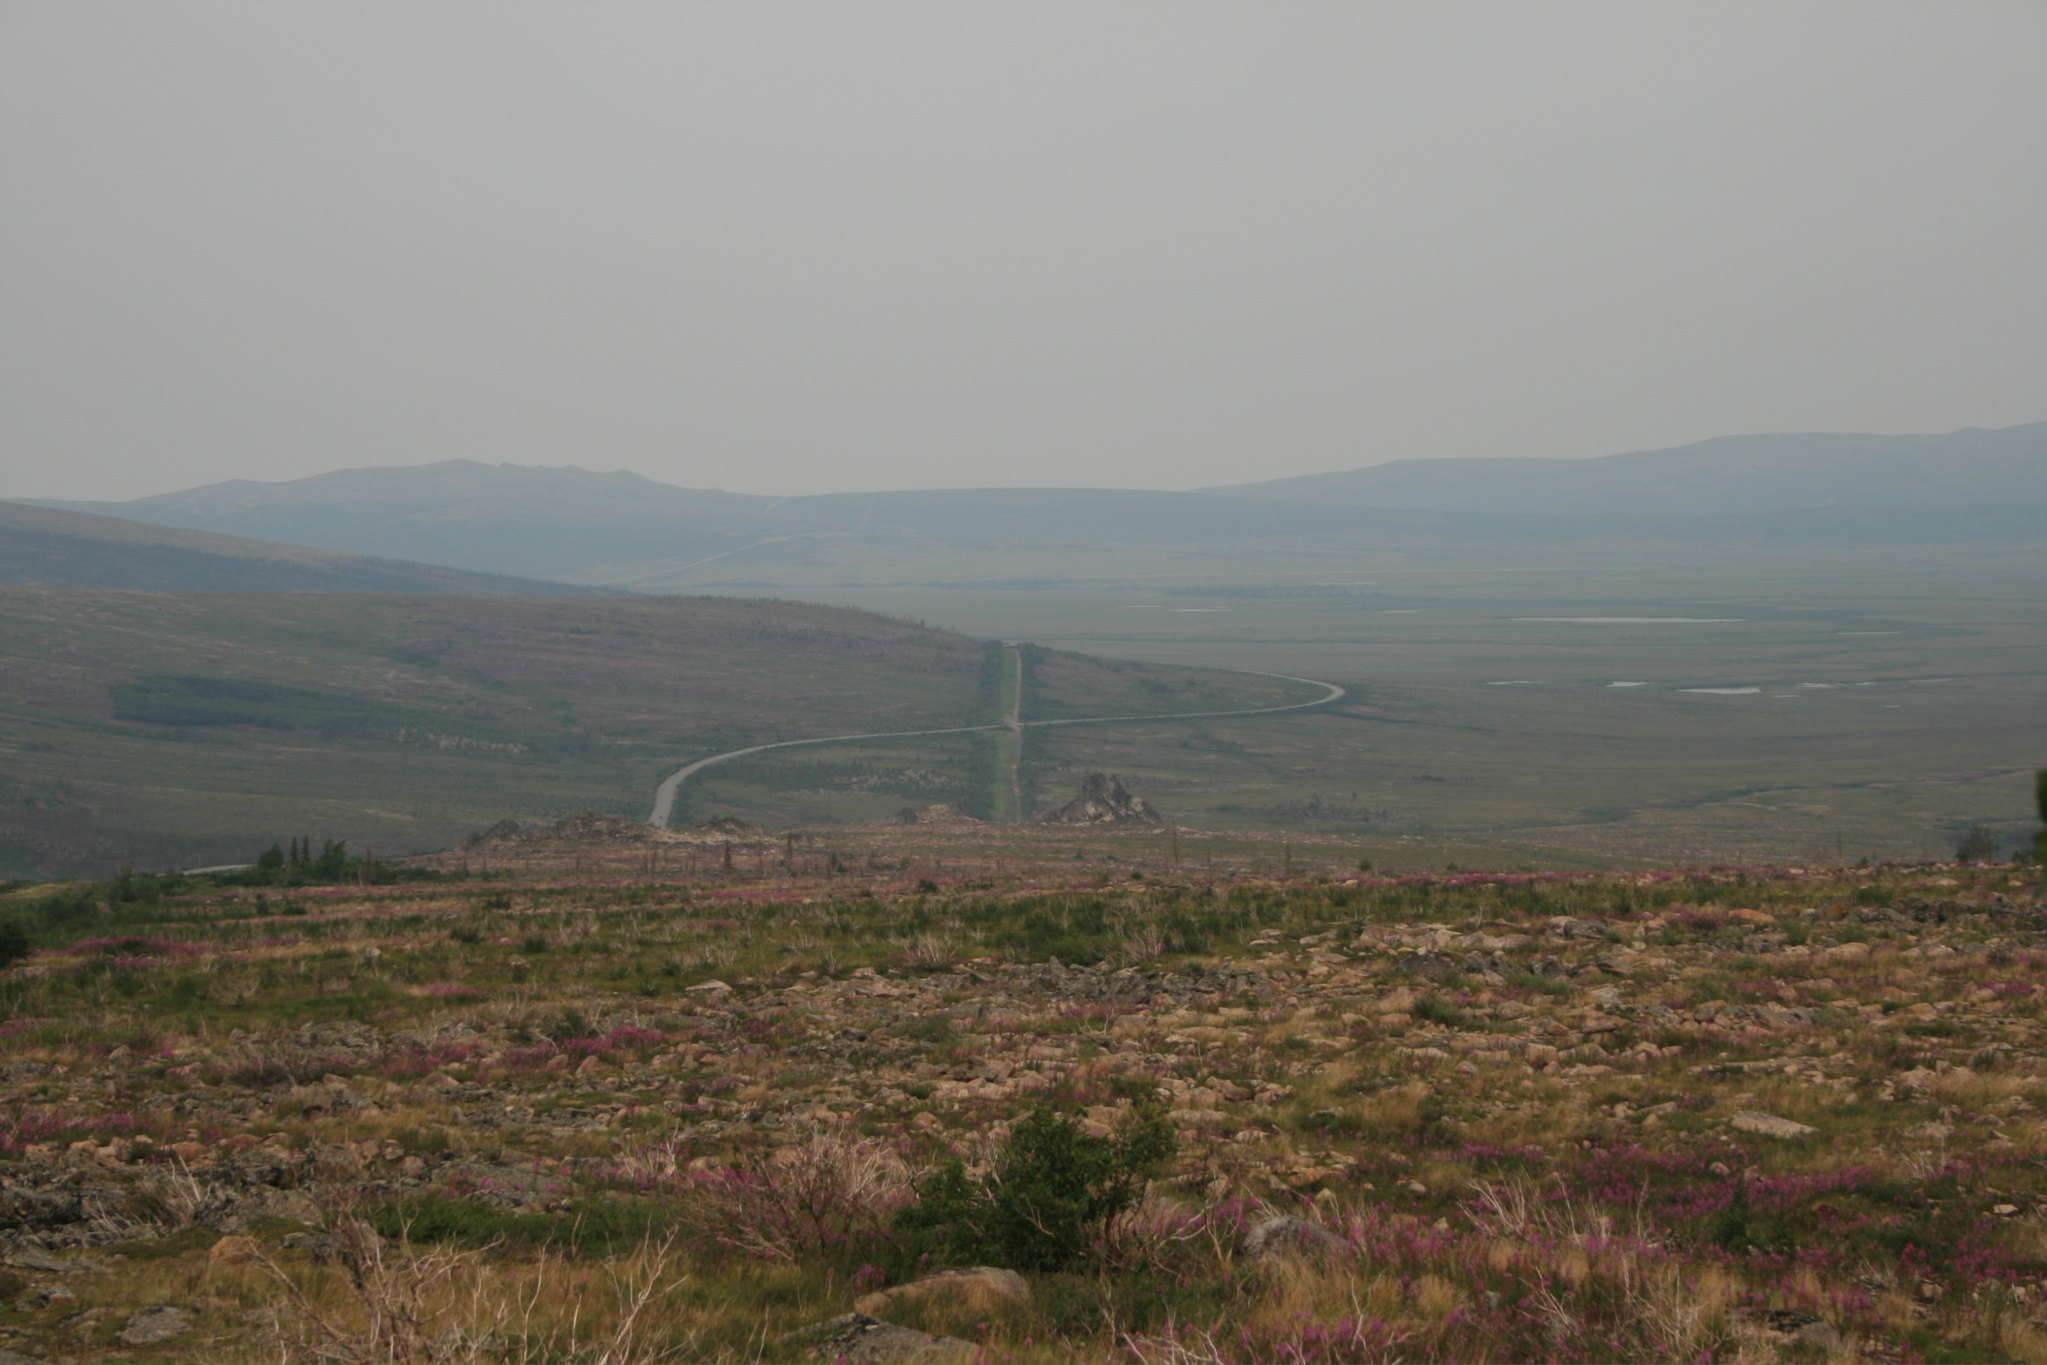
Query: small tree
point(1979, 845)
point(2040, 806)
point(333, 860)
point(1050, 1197)
point(270, 859)
point(13, 944)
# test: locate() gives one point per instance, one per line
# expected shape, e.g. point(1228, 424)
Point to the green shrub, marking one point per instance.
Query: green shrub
point(1979, 845)
point(1437, 1010)
point(1050, 1197)
point(13, 944)
point(2040, 805)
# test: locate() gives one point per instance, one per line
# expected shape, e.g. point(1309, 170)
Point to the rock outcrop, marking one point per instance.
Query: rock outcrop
point(856, 1339)
point(1103, 800)
point(1279, 1237)
point(978, 1289)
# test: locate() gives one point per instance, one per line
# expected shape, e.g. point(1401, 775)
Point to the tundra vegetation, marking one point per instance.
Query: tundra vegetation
point(598, 1106)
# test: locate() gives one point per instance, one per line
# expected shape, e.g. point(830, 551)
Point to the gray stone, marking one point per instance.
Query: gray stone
point(154, 1326)
point(1803, 1329)
point(1286, 1236)
point(978, 1287)
point(1427, 966)
point(1769, 1125)
point(1820, 1335)
point(36, 1259)
point(856, 1339)
point(324, 1246)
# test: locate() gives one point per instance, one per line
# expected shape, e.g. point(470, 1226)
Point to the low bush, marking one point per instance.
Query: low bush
point(1050, 1197)
point(833, 1194)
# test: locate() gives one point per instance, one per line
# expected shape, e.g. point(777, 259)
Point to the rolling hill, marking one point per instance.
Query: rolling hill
point(53, 547)
point(190, 728)
point(1726, 477)
point(1971, 489)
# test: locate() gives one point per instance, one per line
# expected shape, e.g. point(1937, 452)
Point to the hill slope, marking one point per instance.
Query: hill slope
point(192, 728)
point(617, 527)
point(1728, 476)
point(58, 548)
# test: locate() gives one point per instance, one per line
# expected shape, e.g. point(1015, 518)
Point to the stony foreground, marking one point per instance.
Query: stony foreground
point(1733, 1115)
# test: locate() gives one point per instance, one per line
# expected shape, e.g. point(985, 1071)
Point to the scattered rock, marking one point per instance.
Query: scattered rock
point(153, 1327)
point(1284, 1236)
point(1928, 1132)
point(978, 1288)
point(1769, 1125)
point(324, 1246)
point(1427, 966)
point(1801, 1329)
point(35, 1259)
point(711, 987)
point(1103, 800)
point(857, 1339)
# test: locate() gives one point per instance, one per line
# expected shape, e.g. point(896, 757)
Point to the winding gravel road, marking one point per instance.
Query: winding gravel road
point(664, 795)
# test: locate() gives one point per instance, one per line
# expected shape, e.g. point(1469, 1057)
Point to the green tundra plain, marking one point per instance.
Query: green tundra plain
point(1563, 714)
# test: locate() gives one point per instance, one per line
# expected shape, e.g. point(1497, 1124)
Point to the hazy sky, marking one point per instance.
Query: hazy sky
point(781, 247)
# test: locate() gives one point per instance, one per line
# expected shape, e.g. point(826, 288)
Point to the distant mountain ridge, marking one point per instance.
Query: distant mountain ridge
point(611, 527)
point(622, 530)
point(1726, 476)
point(56, 548)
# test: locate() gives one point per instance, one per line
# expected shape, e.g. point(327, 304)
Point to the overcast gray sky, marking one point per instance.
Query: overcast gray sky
point(791, 248)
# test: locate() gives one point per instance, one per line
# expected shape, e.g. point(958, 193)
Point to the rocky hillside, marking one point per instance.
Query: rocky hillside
point(1719, 1114)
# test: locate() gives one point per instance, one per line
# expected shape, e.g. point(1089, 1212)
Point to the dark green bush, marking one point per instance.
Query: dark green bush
point(1437, 1010)
point(1050, 1197)
point(1979, 845)
point(13, 944)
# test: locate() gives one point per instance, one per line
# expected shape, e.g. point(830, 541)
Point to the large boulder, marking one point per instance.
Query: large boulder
point(976, 1288)
point(1770, 1125)
point(856, 1339)
point(153, 1327)
point(1103, 800)
point(1280, 1237)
